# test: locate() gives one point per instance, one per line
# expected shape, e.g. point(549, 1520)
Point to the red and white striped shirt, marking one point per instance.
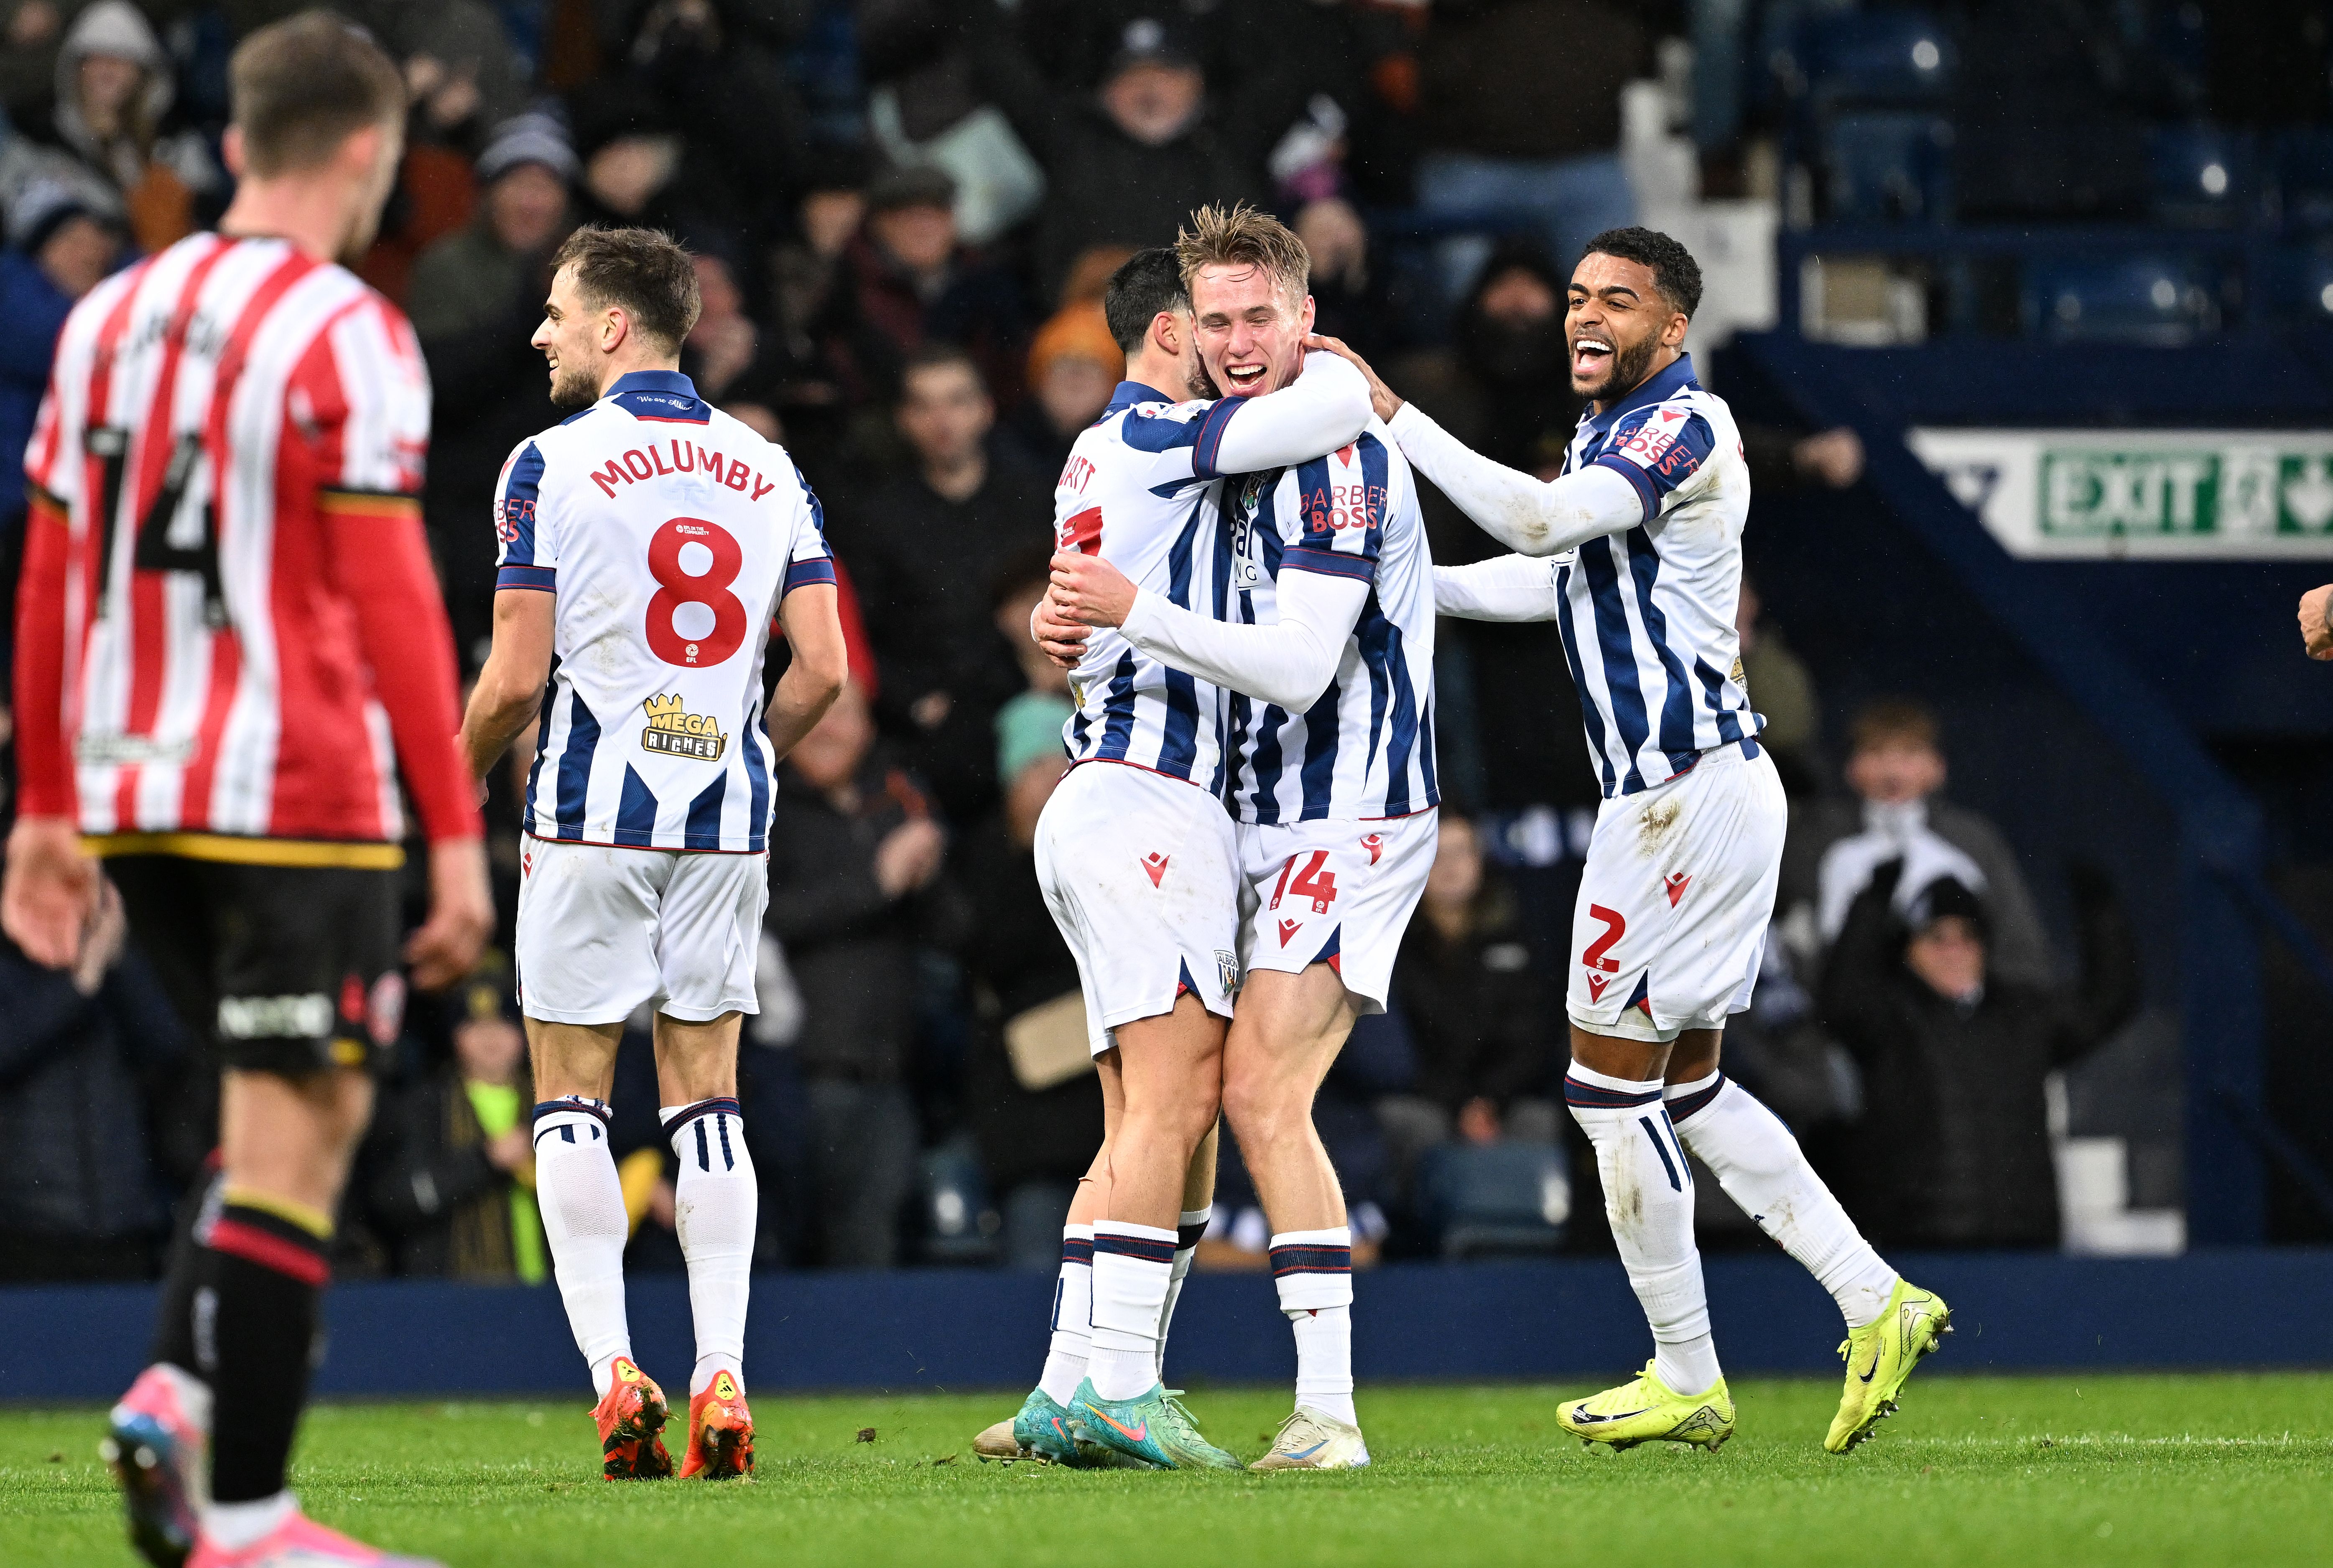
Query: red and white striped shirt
point(229, 629)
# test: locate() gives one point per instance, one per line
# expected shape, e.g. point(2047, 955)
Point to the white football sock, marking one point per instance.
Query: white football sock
point(1132, 1266)
point(1762, 1168)
point(1190, 1225)
point(1649, 1199)
point(1313, 1272)
point(1072, 1344)
point(237, 1526)
point(716, 1204)
point(584, 1218)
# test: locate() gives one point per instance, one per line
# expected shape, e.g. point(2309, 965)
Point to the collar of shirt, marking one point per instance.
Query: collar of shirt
point(1129, 393)
point(653, 381)
point(1677, 374)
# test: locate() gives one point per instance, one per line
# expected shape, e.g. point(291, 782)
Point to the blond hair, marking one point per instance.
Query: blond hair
point(1243, 236)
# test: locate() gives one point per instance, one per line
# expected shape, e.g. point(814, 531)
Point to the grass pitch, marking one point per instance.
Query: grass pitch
point(2191, 1469)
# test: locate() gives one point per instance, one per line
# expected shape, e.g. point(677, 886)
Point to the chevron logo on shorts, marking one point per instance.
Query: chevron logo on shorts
point(1288, 928)
point(1155, 865)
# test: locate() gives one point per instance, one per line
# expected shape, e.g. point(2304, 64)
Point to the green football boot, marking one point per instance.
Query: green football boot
point(1152, 1429)
point(1040, 1432)
point(1645, 1410)
point(1880, 1356)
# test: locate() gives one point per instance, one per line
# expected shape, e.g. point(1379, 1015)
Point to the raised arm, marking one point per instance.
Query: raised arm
point(1288, 663)
point(1507, 588)
point(1534, 516)
point(1326, 408)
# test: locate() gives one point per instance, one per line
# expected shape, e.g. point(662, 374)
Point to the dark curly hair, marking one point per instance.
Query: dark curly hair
point(1675, 272)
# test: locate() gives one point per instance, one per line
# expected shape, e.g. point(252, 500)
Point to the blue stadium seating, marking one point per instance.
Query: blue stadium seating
point(2297, 285)
point(2161, 301)
point(1868, 58)
point(959, 1222)
point(2303, 165)
point(2203, 176)
point(1498, 1198)
point(1888, 167)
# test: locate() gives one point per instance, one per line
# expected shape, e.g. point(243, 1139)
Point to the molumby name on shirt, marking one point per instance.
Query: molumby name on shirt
point(678, 456)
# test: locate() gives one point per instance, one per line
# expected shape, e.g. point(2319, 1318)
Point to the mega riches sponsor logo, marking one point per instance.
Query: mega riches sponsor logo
point(674, 731)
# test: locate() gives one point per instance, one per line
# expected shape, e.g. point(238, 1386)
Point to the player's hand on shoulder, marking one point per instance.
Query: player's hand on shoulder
point(1382, 401)
point(2315, 635)
point(1090, 592)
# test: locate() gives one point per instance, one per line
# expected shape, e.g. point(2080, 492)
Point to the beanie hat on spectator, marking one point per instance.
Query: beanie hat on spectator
point(1027, 728)
point(1078, 330)
point(1945, 898)
point(1153, 40)
point(919, 185)
point(47, 204)
point(535, 137)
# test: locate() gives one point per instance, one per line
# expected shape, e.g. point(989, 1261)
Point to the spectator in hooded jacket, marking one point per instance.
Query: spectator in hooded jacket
point(64, 238)
point(79, 1193)
point(1953, 1146)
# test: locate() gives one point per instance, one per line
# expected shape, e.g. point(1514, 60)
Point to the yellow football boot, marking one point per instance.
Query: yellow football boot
point(1645, 1410)
point(1881, 1355)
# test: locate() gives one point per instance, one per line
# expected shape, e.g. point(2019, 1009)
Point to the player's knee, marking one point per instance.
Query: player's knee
point(1261, 1107)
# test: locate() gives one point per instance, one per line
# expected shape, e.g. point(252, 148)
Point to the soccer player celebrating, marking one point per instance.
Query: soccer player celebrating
point(1635, 551)
point(646, 541)
point(231, 649)
point(1136, 856)
point(1321, 631)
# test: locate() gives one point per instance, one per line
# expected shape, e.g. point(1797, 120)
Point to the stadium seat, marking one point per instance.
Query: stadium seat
point(1495, 1199)
point(1838, 59)
point(959, 1222)
point(2157, 301)
point(1888, 167)
point(2203, 175)
point(2298, 285)
point(2302, 162)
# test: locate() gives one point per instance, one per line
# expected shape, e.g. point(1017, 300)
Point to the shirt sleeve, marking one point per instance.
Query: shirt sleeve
point(1507, 588)
point(1288, 664)
point(1520, 511)
point(526, 552)
point(1656, 450)
point(1324, 409)
point(1340, 510)
point(812, 561)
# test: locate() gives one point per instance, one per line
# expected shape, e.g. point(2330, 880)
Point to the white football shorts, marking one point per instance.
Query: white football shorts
point(602, 930)
point(1137, 870)
point(1675, 898)
point(1335, 891)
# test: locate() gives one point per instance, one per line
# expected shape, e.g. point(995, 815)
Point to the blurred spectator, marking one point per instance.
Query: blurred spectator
point(1323, 94)
point(459, 68)
point(906, 281)
point(937, 69)
point(855, 887)
point(1782, 459)
point(712, 66)
point(1074, 366)
point(63, 239)
point(31, 32)
point(923, 549)
point(1513, 390)
point(1129, 169)
point(1952, 1147)
point(1895, 766)
point(451, 1157)
point(804, 268)
point(1782, 690)
point(80, 1187)
point(1483, 1018)
point(1353, 299)
point(732, 360)
point(113, 92)
point(470, 279)
point(1520, 112)
point(1037, 1133)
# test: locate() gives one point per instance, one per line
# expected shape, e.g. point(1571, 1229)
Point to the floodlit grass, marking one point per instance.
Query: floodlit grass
point(2191, 1469)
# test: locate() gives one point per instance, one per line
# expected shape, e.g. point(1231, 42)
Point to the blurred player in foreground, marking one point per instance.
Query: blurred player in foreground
point(1322, 637)
point(231, 649)
point(1636, 550)
point(646, 541)
point(1137, 859)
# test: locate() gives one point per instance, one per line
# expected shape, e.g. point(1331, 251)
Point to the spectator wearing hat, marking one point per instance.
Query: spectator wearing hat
point(113, 91)
point(907, 281)
point(63, 236)
point(450, 1156)
point(1952, 1145)
point(1074, 366)
point(470, 278)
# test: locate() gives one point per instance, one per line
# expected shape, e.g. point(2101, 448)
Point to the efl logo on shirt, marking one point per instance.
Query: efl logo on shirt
point(673, 731)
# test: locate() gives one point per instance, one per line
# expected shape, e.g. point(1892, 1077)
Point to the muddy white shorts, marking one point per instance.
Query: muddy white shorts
point(1675, 898)
point(602, 930)
point(1137, 870)
point(1337, 892)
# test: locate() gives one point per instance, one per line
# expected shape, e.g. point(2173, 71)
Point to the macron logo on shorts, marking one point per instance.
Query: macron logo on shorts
point(1155, 865)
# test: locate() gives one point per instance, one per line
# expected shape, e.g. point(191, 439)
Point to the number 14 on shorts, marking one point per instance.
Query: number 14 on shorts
point(1313, 881)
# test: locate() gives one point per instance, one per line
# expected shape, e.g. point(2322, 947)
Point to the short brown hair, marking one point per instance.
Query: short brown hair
point(1893, 721)
point(303, 86)
point(644, 273)
point(1243, 236)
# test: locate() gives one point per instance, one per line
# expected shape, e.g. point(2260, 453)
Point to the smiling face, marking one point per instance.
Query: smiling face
point(571, 340)
point(1618, 327)
point(1250, 326)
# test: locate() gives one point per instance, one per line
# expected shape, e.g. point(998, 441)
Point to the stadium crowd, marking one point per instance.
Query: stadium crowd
point(902, 212)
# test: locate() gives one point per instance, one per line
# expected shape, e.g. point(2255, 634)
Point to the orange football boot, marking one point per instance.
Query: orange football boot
point(631, 1417)
point(720, 1433)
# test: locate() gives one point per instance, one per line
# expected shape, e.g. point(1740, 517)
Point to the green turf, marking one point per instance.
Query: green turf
point(2203, 1469)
